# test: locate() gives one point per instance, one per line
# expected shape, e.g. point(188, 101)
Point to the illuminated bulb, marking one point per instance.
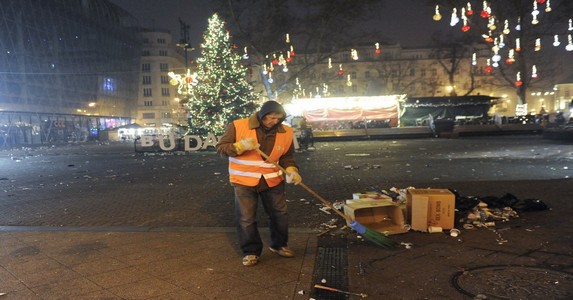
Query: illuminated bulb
point(496, 58)
point(469, 11)
point(569, 46)
point(570, 28)
point(535, 12)
point(556, 40)
point(534, 21)
point(287, 38)
point(506, 27)
point(437, 15)
point(501, 42)
point(537, 44)
point(246, 55)
point(485, 11)
point(518, 25)
point(455, 18)
point(548, 6)
point(534, 72)
point(474, 59)
point(517, 45)
point(466, 27)
point(491, 23)
point(270, 80)
point(354, 54)
point(495, 64)
point(330, 63)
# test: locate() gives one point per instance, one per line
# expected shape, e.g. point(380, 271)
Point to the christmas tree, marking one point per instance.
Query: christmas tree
point(223, 93)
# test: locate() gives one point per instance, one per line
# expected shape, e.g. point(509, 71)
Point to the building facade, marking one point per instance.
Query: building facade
point(68, 69)
point(157, 102)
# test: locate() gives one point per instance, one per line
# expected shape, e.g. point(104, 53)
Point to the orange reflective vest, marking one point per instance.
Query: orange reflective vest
point(247, 169)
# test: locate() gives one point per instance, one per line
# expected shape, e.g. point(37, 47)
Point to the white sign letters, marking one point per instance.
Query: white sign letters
point(168, 142)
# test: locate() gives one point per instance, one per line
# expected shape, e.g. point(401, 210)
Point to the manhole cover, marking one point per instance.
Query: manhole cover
point(515, 282)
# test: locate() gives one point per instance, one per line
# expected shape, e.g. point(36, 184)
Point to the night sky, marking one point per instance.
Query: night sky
point(407, 22)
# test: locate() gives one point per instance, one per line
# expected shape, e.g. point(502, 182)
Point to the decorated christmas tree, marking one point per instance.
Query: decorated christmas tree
point(223, 93)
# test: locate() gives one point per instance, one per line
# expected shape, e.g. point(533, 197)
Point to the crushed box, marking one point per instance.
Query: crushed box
point(430, 207)
point(372, 195)
point(381, 216)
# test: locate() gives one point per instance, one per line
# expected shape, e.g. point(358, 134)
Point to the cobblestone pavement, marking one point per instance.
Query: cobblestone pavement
point(110, 187)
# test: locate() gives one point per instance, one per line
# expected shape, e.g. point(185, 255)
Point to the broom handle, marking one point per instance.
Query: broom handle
point(346, 217)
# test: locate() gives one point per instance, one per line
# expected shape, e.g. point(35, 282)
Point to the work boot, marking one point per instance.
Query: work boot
point(283, 251)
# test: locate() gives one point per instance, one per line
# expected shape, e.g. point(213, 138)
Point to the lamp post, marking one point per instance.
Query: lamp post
point(184, 41)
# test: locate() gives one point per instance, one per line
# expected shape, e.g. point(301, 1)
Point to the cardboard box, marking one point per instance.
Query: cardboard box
point(382, 216)
point(430, 207)
point(372, 195)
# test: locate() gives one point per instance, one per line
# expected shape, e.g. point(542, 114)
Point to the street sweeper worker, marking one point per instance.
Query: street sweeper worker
point(253, 178)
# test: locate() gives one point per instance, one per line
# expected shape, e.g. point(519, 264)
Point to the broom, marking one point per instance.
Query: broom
point(373, 236)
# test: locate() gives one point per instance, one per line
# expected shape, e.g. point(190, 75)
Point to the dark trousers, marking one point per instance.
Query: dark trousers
point(274, 202)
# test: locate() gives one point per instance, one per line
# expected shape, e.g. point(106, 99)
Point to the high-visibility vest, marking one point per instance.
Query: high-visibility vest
point(248, 168)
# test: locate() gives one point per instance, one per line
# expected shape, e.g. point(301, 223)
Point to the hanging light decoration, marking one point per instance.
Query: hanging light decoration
point(496, 57)
point(570, 28)
point(518, 25)
point(454, 20)
point(491, 23)
point(534, 72)
point(506, 27)
point(354, 54)
point(348, 82)
point(517, 45)
point(534, 13)
point(569, 46)
point(548, 6)
point(474, 59)
point(465, 27)
point(501, 41)
point(510, 57)
point(270, 80)
point(518, 81)
point(287, 38)
point(488, 67)
point(340, 71)
point(377, 50)
point(246, 54)
point(556, 41)
point(537, 44)
point(469, 10)
point(485, 11)
point(437, 15)
point(330, 63)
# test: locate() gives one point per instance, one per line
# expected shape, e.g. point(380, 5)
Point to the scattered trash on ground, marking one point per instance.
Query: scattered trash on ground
point(397, 211)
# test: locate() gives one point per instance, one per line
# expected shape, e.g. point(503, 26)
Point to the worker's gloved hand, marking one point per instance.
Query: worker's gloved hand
point(245, 144)
point(292, 175)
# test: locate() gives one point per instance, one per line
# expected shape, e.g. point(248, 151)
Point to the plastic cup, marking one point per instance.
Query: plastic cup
point(434, 229)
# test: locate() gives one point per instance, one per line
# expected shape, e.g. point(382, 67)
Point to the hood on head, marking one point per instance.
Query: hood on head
point(271, 107)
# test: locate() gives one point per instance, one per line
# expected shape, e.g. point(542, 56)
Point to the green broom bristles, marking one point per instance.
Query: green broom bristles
point(373, 236)
point(379, 238)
